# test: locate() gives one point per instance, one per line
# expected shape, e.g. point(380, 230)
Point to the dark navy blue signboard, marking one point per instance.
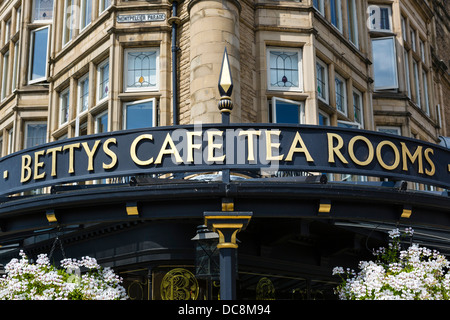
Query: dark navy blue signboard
point(215, 147)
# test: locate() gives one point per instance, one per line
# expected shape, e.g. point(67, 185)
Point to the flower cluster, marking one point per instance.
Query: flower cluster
point(416, 273)
point(42, 281)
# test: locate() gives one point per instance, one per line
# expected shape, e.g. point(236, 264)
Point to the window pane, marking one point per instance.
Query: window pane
point(417, 84)
point(379, 17)
point(101, 123)
point(287, 112)
point(36, 134)
point(39, 54)
point(15, 66)
point(403, 28)
point(86, 13)
point(284, 69)
point(413, 39)
point(142, 69)
point(384, 19)
point(65, 103)
point(357, 107)
point(323, 120)
point(352, 22)
point(104, 4)
point(84, 94)
point(103, 80)
point(318, 4)
point(43, 10)
point(406, 60)
point(335, 8)
point(343, 124)
point(139, 115)
point(340, 95)
point(322, 89)
point(5, 74)
point(384, 63)
point(68, 21)
point(391, 130)
point(18, 18)
point(7, 30)
point(425, 92)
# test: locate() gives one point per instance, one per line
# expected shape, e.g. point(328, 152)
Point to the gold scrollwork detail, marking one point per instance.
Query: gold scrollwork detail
point(265, 289)
point(135, 290)
point(179, 284)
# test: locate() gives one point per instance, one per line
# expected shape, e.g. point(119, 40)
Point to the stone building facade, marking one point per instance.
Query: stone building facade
point(70, 68)
point(56, 56)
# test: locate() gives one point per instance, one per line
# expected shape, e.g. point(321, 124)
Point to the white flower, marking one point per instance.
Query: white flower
point(41, 281)
point(417, 273)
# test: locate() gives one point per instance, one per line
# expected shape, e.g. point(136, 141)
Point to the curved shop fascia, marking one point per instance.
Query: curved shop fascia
point(166, 162)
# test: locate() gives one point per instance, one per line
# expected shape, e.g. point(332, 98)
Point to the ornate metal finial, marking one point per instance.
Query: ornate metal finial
point(225, 85)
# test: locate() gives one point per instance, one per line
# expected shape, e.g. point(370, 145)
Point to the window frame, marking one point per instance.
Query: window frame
point(339, 15)
point(68, 34)
point(299, 52)
point(25, 142)
point(407, 73)
point(134, 102)
point(31, 51)
point(301, 104)
point(325, 116)
point(321, 7)
point(125, 69)
point(413, 38)
point(80, 86)
point(326, 90)
point(99, 116)
point(337, 76)
point(10, 140)
point(422, 50)
point(100, 6)
point(83, 16)
point(64, 92)
point(426, 96)
point(349, 124)
point(394, 57)
point(395, 128)
point(403, 27)
point(8, 30)
point(418, 96)
point(33, 14)
point(18, 18)
point(15, 74)
point(361, 106)
point(5, 75)
point(372, 26)
point(100, 66)
point(352, 19)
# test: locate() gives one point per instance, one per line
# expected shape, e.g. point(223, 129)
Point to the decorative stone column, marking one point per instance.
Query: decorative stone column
point(214, 26)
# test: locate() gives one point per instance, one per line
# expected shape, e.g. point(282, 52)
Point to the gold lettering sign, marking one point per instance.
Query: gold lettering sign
point(133, 150)
point(351, 150)
point(282, 148)
point(212, 146)
point(250, 149)
point(380, 158)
